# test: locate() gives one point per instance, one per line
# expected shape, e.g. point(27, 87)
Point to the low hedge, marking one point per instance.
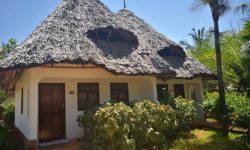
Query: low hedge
point(143, 125)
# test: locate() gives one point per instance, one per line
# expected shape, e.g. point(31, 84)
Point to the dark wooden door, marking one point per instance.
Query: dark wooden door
point(51, 112)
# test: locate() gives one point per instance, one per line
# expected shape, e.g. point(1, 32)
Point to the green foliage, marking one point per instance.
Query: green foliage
point(150, 124)
point(9, 115)
point(236, 69)
point(3, 96)
point(185, 113)
point(209, 140)
point(209, 102)
point(8, 140)
point(7, 47)
point(108, 127)
point(167, 100)
point(143, 125)
point(238, 108)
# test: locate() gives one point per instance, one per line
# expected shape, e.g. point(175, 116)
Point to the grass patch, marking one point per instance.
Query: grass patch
point(209, 140)
point(212, 120)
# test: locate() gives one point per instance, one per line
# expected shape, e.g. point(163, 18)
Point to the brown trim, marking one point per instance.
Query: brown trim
point(39, 99)
point(22, 101)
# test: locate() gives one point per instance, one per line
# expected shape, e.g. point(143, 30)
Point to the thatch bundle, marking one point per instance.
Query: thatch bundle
point(86, 31)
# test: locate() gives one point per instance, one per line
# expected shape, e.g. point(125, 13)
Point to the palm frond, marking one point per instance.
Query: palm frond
point(199, 5)
point(243, 8)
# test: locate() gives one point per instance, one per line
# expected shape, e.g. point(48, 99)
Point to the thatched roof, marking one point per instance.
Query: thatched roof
point(86, 31)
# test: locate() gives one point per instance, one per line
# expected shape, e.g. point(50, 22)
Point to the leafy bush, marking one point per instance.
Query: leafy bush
point(3, 137)
point(143, 125)
point(8, 140)
point(167, 100)
point(9, 115)
point(185, 113)
point(238, 108)
point(211, 105)
point(109, 127)
point(151, 122)
point(209, 102)
point(3, 95)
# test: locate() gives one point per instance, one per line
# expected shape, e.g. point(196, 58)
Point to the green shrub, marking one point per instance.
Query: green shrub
point(9, 115)
point(8, 140)
point(238, 108)
point(185, 113)
point(209, 102)
point(143, 125)
point(109, 127)
point(3, 96)
point(167, 100)
point(151, 123)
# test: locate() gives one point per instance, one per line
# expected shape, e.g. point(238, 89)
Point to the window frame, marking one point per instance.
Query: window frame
point(158, 86)
point(183, 96)
point(22, 101)
point(88, 91)
point(126, 101)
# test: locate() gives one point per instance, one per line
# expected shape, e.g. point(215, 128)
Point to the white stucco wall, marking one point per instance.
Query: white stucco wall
point(140, 87)
point(22, 121)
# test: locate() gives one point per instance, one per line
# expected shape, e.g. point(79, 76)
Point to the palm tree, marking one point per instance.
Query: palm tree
point(218, 9)
point(199, 36)
point(243, 8)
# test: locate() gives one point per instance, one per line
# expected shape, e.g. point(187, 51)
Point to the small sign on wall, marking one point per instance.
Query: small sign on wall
point(71, 92)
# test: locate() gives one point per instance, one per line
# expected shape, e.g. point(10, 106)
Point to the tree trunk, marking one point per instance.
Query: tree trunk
point(222, 103)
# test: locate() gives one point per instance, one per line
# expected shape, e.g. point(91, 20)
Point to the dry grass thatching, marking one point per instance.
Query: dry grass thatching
point(86, 31)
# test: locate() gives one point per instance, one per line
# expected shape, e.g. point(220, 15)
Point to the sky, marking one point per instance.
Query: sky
point(173, 18)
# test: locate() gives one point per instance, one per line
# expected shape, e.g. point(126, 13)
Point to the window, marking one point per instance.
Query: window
point(88, 95)
point(162, 91)
point(119, 92)
point(22, 101)
point(179, 90)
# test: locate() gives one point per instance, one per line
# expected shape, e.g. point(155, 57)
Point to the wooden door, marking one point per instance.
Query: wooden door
point(51, 112)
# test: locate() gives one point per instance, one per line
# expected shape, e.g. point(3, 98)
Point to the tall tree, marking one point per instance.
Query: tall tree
point(218, 9)
point(7, 47)
point(243, 8)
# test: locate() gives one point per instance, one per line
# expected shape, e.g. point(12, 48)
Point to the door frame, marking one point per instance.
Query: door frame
point(64, 102)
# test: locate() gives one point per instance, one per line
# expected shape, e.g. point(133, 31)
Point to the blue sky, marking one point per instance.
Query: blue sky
point(18, 18)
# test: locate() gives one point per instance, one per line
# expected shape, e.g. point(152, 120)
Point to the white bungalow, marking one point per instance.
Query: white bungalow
point(84, 55)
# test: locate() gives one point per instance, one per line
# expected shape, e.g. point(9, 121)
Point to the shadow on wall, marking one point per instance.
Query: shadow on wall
point(115, 43)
